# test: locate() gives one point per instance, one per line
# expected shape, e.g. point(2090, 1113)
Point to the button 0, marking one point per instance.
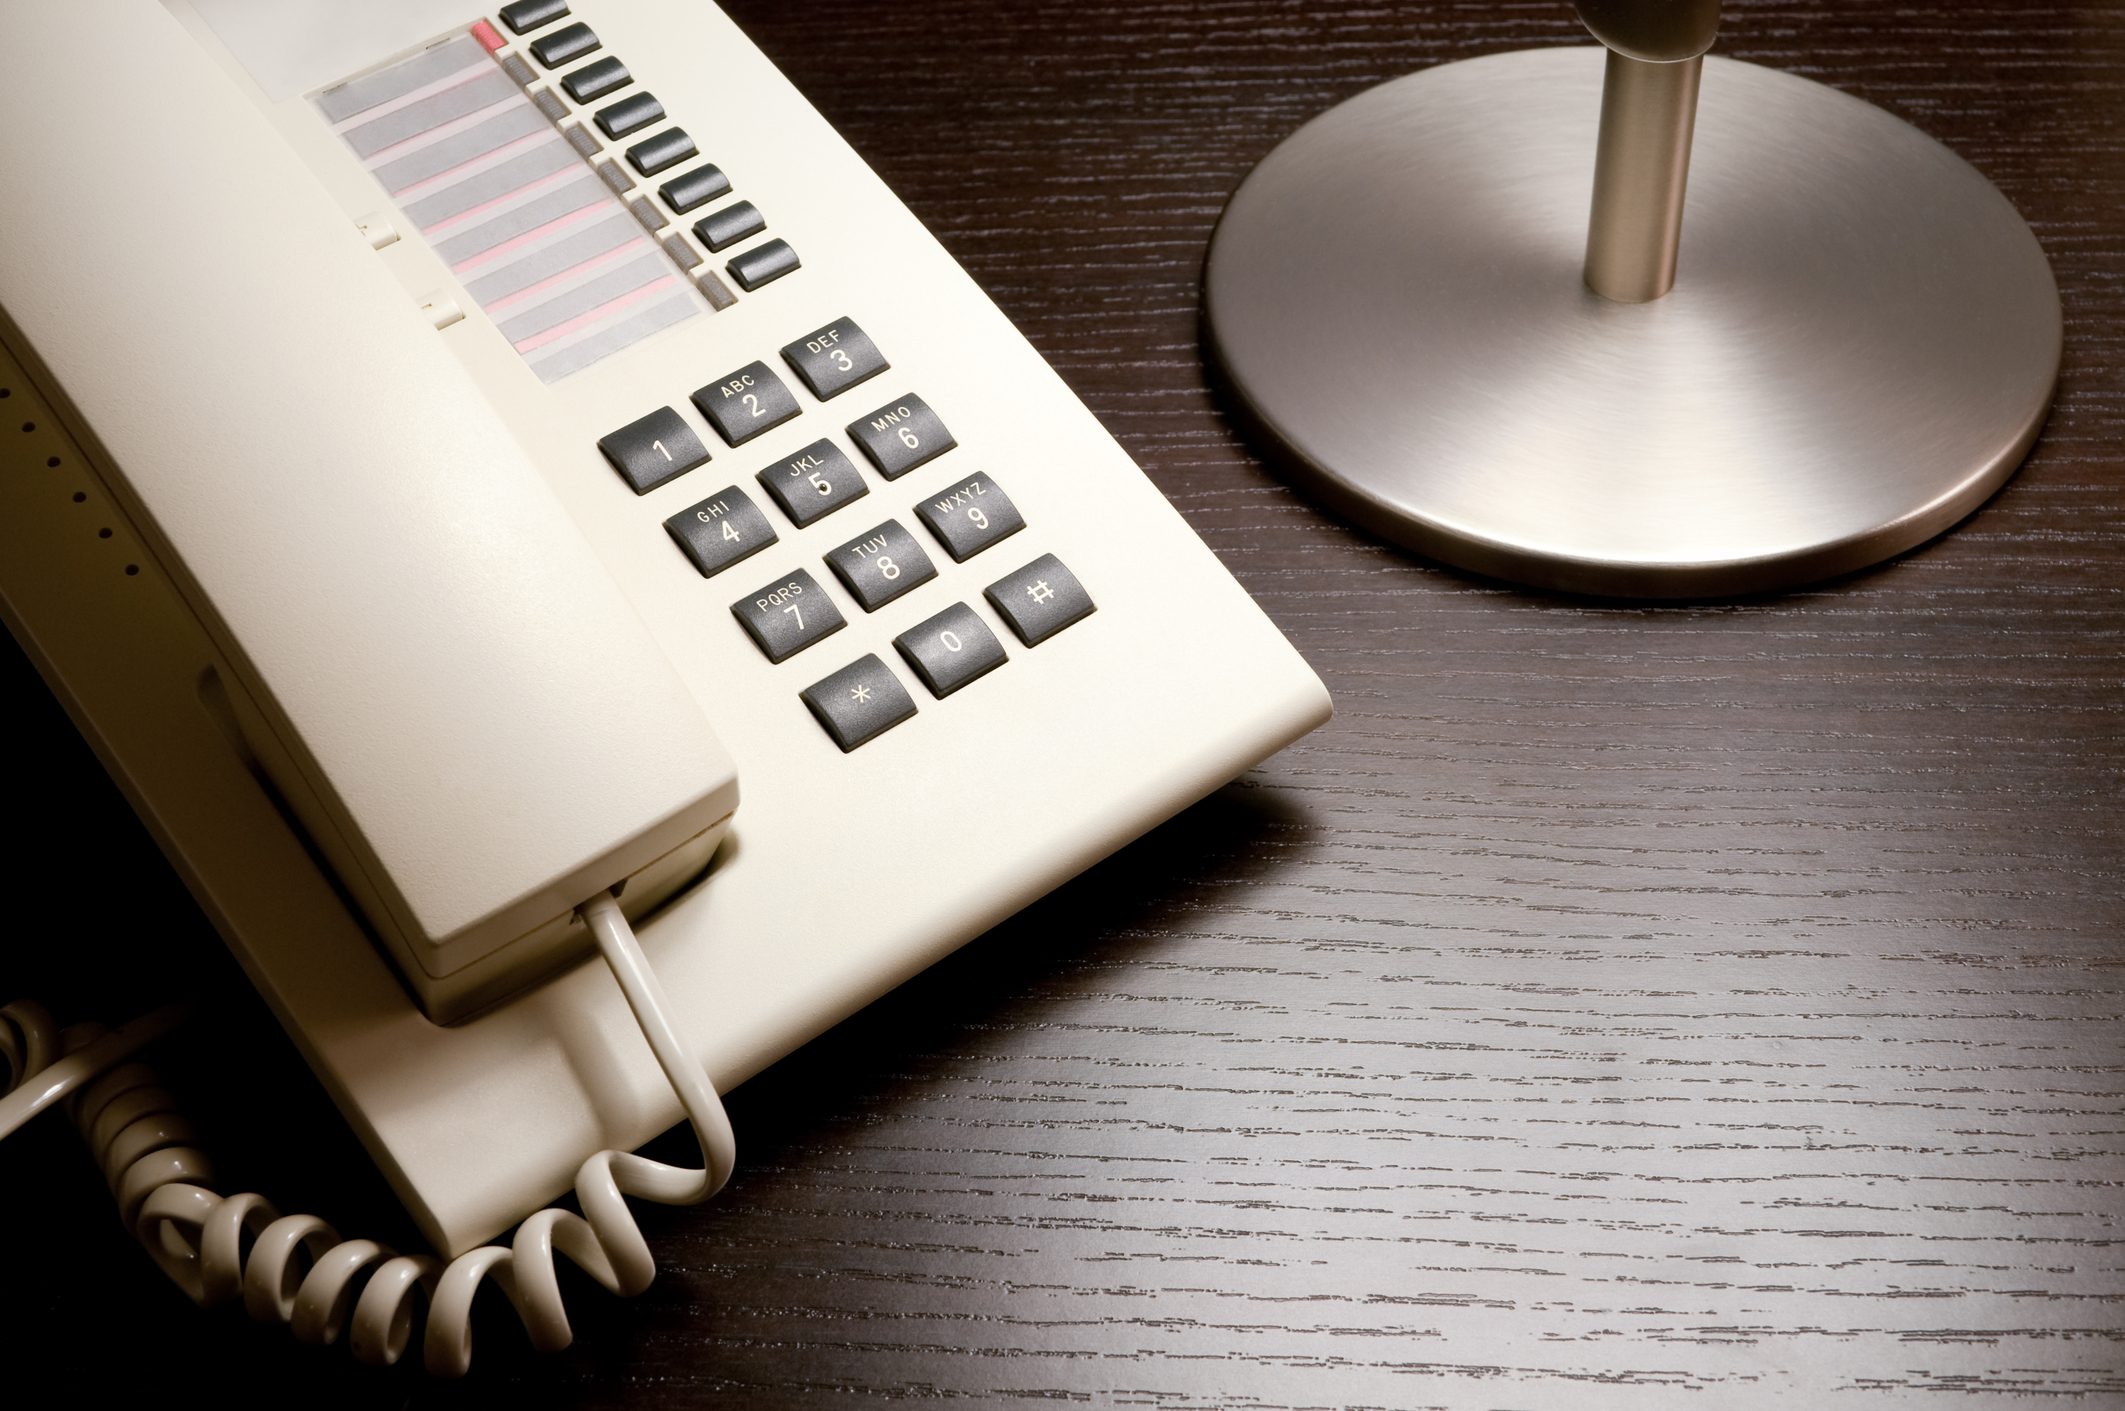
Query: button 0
point(1040, 599)
point(835, 358)
point(970, 517)
point(814, 483)
point(951, 649)
point(878, 566)
point(788, 615)
point(721, 530)
point(657, 448)
point(901, 435)
point(859, 703)
point(745, 403)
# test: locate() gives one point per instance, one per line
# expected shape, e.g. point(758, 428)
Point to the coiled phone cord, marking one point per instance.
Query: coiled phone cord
point(143, 1146)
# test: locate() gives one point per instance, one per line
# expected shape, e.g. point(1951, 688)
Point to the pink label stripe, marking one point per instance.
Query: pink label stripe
point(598, 206)
point(605, 310)
point(613, 256)
point(428, 186)
point(429, 136)
point(444, 226)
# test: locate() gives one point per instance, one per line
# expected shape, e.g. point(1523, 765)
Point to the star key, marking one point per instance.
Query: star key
point(859, 702)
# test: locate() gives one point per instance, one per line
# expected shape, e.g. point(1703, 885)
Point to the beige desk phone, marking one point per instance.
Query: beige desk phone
point(448, 448)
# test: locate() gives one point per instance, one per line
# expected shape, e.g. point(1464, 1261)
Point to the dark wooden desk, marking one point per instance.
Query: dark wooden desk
point(1613, 1007)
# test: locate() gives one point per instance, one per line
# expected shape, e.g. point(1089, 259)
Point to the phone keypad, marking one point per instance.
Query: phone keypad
point(788, 615)
point(746, 403)
point(724, 529)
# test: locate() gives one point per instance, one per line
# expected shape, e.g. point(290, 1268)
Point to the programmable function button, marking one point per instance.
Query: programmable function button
point(1040, 599)
point(951, 649)
point(901, 435)
point(859, 702)
point(814, 483)
point(835, 358)
point(788, 615)
point(564, 46)
point(593, 81)
point(970, 517)
point(763, 264)
point(721, 229)
point(657, 448)
point(747, 402)
point(631, 114)
point(721, 530)
point(667, 149)
point(694, 188)
point(878, 566)
point(530, 14)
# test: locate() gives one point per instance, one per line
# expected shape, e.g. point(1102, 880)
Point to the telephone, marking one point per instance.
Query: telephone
point(448, 448)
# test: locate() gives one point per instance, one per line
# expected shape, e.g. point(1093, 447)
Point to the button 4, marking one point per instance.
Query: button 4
point(721, 530)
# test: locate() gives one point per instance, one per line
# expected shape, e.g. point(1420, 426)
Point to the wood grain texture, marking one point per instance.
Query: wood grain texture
point(1612, 1008)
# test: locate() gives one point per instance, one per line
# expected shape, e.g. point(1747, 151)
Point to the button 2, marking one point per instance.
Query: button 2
point(881, 564)
point(657, 448)
point(970, 517)
point(788, 615)
point(859, 703)
point(835, 358)
point(1040, 599)
point(814, 483)
point(721, 530)
point(747, 402)
point(951, 649)
point(901, 435)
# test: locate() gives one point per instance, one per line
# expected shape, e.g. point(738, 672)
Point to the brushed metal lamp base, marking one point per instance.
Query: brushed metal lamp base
point(1861, 344)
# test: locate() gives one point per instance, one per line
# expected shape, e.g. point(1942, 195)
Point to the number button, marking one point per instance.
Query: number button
point(880, 565)
point(970, 517)
point(746, 403)
point(657, 448)
point(835, 358)
point(901, 435)
point(814, 483)
point(1040, 599)
point(951, 649)
point(859, 702)
point(788, 615)
point(721, 530)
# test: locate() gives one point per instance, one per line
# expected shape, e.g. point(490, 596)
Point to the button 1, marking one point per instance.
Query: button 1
point(901, 435)
point(764, 264)
point(878, 566)
point(859, 702)
point(721, 530)
point(788, 615)
point(747, 402)
point(564, 46)
point(593, 81)
point(631, 114)
point(530, 14)
point(814, 483)
point(667, 149)
point(970, 517)
point(835, 358)
point(657, 448)
point(721, 229)
point(951, 649)
point(1040, 599)
point(694, 188)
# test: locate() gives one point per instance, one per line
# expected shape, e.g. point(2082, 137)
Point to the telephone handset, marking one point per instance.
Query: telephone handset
point(456, 443)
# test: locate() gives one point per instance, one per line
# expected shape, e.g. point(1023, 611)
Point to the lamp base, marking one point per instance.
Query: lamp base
point(1862, 342)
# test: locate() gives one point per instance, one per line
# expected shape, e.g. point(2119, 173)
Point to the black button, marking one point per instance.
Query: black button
point(879, 565)
point(763, 264)
point(721, 229)
point(951, 649)
point(530, 14)
point(564, 46)
point(970, 517)
point(593, 81)
point(667, 149)
point(788, 615)
point(747, 402)
point(657, 448)
point(631, 114)
point(901, 436)
point(721, 530)
point(697, 187)
point(814, 483)
point(859, 702)
point(1040, 599)
point(835, 358)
